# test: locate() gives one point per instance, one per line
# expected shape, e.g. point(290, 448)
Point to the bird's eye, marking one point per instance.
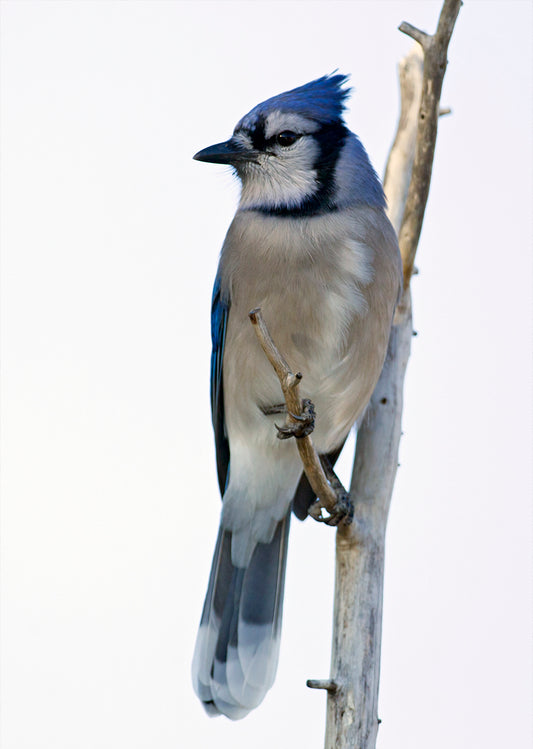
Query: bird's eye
point(286, 138)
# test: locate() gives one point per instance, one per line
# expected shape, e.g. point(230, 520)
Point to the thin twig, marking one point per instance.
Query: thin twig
point(419, 36)
point(327, 684)
point(327, 497)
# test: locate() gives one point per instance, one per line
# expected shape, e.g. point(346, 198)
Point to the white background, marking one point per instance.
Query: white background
point(110, 237)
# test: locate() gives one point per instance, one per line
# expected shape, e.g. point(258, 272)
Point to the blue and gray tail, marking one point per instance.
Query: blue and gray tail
point(237, 647)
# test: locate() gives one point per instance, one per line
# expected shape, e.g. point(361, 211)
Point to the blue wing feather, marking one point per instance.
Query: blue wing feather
point(219, 320)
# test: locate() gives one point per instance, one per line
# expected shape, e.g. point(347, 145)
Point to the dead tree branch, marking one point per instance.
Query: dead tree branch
point(352, 712)
point(328, 498)
point(435, 61)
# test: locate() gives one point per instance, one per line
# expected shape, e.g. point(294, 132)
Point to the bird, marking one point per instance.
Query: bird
point(311, 245)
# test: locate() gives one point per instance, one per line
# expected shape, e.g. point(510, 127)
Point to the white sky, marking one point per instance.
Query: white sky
point(110, 237)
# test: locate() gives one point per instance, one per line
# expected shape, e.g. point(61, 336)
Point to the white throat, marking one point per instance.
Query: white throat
point(274, 182)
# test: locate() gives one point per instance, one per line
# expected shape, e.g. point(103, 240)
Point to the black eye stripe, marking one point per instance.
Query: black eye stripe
point(330, 139)
point(256, 133)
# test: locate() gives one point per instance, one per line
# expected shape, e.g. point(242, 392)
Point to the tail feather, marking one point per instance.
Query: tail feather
point(237, 648)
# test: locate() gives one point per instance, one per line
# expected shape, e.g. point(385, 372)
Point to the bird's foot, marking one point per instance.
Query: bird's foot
point(278, 408)
point(302, 425)
point(343, 510)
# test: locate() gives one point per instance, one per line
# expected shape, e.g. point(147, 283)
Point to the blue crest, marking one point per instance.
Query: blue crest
point(321, 100)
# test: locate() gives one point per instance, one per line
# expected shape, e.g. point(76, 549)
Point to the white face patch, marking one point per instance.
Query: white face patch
point(276, 175)
point(283, 177)
point(242, 138)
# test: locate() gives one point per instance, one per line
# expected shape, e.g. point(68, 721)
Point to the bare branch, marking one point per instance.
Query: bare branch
point(352, 719)
point(327, 497)
point(400, 161)
point(435, 61)
point(327, 684)
point(419, 36)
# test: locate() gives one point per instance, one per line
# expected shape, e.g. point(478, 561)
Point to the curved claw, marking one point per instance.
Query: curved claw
point(342, 512)
point(305, 423)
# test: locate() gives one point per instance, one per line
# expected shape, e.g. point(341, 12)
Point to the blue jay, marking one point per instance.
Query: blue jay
point(311, 245)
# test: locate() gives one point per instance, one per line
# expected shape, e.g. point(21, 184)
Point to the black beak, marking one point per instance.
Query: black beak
point(228, 152)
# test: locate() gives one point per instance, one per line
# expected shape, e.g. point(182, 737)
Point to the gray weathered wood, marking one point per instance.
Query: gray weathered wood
point(400, 162)
point(352, 717)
